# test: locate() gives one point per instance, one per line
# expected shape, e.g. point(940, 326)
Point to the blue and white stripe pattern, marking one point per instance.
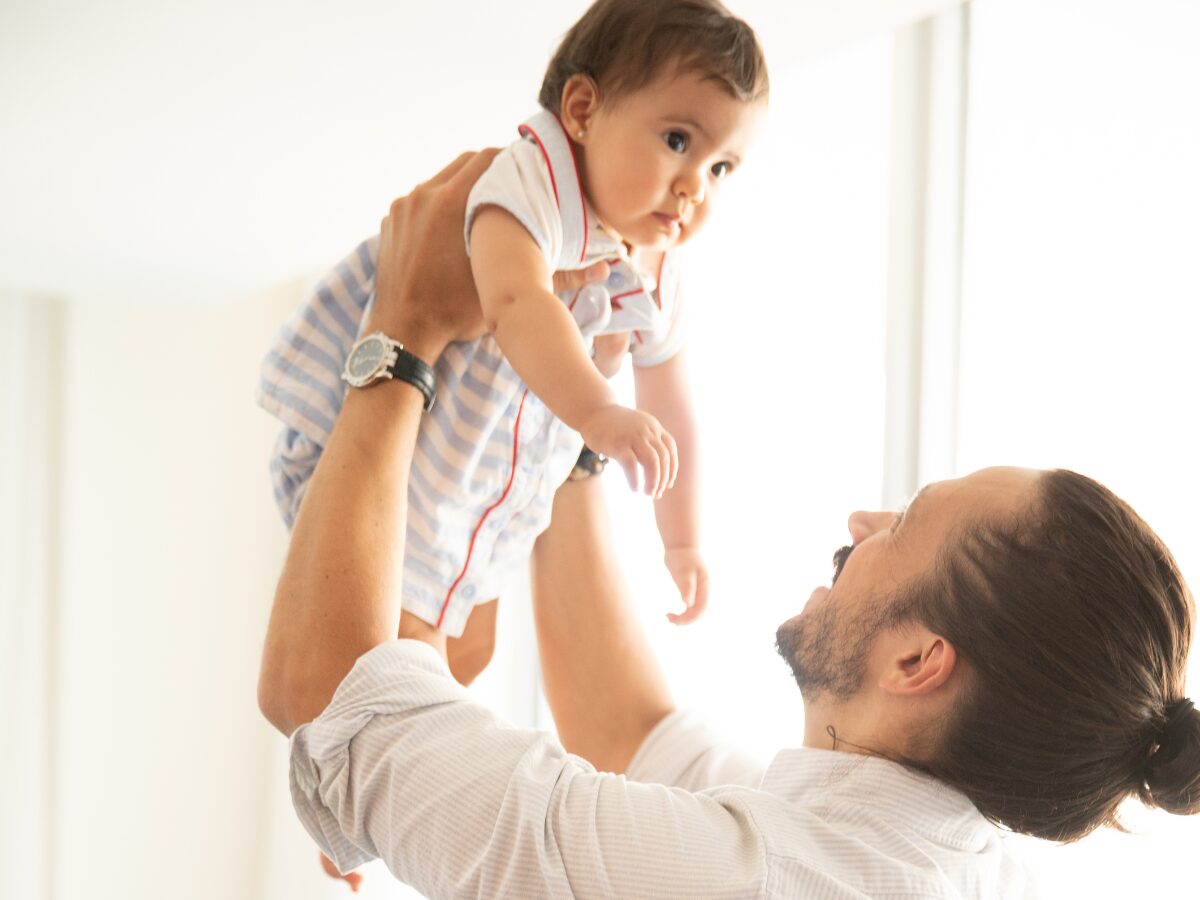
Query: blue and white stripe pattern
point(464, 455)
point(490, 455)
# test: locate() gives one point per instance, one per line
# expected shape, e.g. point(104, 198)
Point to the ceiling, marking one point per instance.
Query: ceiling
point(194, 152)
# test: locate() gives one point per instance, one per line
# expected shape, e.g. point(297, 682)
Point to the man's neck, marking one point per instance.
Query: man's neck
point(841, 726)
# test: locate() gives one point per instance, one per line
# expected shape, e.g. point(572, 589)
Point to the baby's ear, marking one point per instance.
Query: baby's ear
point(580, 100)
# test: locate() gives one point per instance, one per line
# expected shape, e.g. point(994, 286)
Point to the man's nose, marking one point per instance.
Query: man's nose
point(862, 524)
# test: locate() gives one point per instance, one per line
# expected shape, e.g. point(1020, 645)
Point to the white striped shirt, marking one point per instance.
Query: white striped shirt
point(402, 765)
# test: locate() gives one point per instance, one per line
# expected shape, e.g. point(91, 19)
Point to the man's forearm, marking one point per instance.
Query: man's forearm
point(340, 591)
point(602, 680)
point(339, 594)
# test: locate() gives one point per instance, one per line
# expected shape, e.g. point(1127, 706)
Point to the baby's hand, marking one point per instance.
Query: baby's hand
point(634, 438)
point(691, 577)
point(354, 879)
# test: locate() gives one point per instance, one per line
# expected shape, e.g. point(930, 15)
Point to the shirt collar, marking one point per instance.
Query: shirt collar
point(824, 779)
point(585, 238)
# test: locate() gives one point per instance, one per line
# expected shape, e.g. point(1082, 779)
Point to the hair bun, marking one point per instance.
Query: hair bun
point(1173, 770)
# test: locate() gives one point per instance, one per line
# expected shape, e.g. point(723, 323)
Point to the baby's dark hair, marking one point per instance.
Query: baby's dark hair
point(624, 45)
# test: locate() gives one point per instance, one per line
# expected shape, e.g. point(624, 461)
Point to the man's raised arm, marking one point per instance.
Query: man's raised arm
point(339, 594)
point(602, 679)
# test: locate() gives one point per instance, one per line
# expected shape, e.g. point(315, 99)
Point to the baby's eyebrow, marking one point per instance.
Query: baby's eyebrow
point(692, 123)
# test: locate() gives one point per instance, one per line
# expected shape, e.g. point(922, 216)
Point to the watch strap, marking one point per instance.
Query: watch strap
point(416, 372)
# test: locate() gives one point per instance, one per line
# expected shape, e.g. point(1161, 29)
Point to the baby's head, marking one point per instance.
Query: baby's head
point(661, 99)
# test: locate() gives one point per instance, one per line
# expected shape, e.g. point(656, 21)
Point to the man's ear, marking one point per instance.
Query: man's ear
point(919, 666)
point(580, 100)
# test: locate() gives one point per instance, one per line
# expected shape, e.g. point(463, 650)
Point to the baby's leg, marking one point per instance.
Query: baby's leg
point(469, 655)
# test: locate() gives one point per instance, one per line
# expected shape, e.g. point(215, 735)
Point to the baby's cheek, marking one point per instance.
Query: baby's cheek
point(699, 218)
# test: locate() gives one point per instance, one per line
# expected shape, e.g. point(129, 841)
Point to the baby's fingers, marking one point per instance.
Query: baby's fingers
point(697, 602)
point(674, 451)
point(689, 615)
point(629, 465)
point(648, 454)
point(670, 462)
point(687, 588)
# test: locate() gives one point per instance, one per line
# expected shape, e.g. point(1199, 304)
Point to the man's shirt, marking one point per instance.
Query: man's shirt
point(403, 765)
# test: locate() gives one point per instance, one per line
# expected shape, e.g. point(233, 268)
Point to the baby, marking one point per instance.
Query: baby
point(647, 107)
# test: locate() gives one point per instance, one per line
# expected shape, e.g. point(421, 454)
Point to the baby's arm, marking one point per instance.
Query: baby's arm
point(542, 342)
point(664, 392)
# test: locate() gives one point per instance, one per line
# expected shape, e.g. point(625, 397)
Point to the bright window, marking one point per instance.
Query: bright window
point(786, 307)
point(1081, 288)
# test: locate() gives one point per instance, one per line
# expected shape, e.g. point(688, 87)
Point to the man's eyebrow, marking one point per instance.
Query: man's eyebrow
point(900, 515)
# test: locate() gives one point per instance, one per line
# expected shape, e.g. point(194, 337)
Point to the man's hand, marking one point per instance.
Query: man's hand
point(691, 577)
point(354, 879)
point(634, 438)
point(424, 293)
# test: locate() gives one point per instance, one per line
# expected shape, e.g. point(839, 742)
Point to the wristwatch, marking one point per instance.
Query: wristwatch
point(376, 357)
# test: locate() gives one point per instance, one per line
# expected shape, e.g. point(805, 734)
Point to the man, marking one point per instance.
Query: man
point(1011, 647)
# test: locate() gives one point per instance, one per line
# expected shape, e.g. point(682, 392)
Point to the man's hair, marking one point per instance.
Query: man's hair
point(1075, 625)
point(624, 45)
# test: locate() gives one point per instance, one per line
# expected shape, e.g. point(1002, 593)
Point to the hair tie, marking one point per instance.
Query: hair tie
point(1178, 714)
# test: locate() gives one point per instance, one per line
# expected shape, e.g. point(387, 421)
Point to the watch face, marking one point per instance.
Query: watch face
point(366, 358)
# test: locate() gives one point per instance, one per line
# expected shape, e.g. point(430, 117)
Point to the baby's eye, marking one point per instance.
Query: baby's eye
point(722, 169)
point(676, 140)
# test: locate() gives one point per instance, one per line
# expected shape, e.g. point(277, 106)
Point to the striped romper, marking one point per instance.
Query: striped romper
point(490, 454)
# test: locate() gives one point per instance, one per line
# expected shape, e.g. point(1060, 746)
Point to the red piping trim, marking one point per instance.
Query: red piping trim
point(526, 130)
point(658, 280)
point(487, 512)
point(578, 181)
point(624, 295)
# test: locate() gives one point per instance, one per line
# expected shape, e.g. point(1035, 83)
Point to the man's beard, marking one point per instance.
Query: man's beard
point(827, 651)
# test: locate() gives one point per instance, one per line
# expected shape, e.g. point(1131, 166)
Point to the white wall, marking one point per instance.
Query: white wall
point(166, 780)
point(1082, 305)
point(205, 151)
point(30, 414)
point(169, 552)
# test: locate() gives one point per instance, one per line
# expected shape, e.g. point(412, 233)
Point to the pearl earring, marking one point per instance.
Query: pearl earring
point(581, 134)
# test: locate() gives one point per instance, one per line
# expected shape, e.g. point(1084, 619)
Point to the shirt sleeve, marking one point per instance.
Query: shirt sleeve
point(300, 378)
point(402, 765)
point(682, 751)
point(519, 182)
point(652, 349)
point(292, 463)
